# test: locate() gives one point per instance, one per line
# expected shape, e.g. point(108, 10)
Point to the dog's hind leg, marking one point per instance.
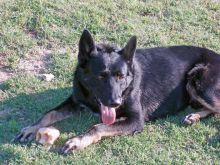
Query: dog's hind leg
point(194, 117)
point(64, 110)
point(123, 127)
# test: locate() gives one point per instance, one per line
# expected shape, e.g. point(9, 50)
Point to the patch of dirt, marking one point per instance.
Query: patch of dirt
point(4, 74)
point(35, 64)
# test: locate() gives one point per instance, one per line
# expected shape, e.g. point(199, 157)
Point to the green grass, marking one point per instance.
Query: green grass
point(26, 25)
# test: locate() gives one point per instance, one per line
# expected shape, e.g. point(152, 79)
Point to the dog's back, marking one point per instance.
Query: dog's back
point(164, 77)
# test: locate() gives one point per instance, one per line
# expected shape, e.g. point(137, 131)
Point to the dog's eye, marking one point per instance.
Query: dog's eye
point(119, 75)
point(103, 76)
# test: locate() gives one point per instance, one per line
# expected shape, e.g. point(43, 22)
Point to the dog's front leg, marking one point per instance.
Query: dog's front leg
point(64, 110)
point(122, 127)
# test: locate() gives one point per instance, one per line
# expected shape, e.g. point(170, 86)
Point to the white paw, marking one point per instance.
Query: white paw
point(191, 118)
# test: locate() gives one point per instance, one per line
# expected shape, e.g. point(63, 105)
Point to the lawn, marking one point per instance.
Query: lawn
point(41, 36)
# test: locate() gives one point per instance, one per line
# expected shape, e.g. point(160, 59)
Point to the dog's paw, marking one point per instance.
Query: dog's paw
point(26, 134)
point(73, 145)
point(191, 119)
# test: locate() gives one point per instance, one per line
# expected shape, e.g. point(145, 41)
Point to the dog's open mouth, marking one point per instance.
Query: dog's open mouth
point(108, 114)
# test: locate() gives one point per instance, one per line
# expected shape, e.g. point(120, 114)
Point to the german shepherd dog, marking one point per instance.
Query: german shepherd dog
point(129, 86)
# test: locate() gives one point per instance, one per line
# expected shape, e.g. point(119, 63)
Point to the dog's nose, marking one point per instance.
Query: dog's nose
point(114, 103)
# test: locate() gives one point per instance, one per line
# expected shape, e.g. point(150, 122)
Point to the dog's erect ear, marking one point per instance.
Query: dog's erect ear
point(129, 50)
point(86, 45)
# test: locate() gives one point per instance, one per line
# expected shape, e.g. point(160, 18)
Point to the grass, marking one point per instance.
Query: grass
point(27, 25)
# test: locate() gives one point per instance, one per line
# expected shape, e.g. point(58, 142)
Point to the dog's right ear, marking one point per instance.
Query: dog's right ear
point(86, 46)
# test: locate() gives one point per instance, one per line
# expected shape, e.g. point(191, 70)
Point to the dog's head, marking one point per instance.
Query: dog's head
point(204, 85)
point(106, 72)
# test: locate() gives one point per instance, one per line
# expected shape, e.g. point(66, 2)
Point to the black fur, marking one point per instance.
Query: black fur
point(142, 84)
point(154, 83)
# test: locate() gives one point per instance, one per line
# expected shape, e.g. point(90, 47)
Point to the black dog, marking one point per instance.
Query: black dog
point(136, 84)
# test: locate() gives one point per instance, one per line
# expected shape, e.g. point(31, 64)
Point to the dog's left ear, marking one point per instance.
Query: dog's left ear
point(129, 50)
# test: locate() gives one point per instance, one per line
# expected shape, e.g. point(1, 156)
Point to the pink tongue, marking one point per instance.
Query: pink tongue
point(108, 114)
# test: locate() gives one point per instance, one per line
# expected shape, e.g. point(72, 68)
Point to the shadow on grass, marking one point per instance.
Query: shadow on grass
point(30, 107)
